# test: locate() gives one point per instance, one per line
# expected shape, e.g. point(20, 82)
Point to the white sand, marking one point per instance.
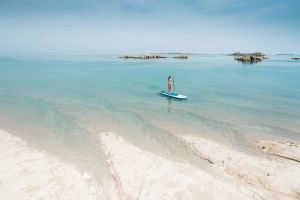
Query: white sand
point(144, 175)
point(277, 176)
point(27, 173)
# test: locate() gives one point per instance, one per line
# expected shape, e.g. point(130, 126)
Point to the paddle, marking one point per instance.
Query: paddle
point(174, 84)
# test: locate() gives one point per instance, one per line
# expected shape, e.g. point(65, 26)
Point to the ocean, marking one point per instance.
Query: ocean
point(61, 103)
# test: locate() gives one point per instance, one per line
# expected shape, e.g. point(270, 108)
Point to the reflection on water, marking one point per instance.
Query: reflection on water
point(169, 105)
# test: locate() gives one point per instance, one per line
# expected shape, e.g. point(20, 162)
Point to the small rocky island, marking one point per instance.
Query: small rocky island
point(295, 58)
point(143, 57)
point(249, 57)
point(182, 56)
point(154, 56)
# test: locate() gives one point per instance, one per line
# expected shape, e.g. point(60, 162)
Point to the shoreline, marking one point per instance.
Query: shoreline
point(140, 174)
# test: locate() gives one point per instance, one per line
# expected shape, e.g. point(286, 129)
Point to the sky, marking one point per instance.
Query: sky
point(143, 26)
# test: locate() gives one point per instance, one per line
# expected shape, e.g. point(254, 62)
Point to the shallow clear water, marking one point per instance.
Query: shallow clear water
point(63, 102)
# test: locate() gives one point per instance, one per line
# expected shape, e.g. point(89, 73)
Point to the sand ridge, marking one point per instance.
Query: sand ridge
point(144, 175)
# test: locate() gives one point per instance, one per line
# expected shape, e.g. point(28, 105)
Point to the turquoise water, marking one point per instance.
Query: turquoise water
point(64, 102)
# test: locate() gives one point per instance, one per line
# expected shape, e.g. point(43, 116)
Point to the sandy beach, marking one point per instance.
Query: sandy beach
point(149, 100)
point(28, 173)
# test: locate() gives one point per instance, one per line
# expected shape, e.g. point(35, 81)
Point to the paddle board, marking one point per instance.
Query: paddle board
point(173, 95)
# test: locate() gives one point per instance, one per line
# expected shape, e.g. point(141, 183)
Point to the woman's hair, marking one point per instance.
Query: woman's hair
point(169, 77)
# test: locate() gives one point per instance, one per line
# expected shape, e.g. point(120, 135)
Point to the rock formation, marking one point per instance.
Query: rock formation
point(249, 57)
point(182, 56)
point(144, 57)
point(295, 58)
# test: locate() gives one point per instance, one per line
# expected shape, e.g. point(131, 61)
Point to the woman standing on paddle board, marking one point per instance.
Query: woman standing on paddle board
point(170, 82)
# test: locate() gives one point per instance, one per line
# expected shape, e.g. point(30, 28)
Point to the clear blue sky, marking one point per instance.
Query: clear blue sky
point(138, 26)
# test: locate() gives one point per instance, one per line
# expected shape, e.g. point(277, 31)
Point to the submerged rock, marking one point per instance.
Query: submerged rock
point(295, 58)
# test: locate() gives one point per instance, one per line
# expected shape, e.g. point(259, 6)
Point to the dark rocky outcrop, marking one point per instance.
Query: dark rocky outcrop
point(144, 57)
point(249, 57)
point(295, 58)
point(183, 56)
